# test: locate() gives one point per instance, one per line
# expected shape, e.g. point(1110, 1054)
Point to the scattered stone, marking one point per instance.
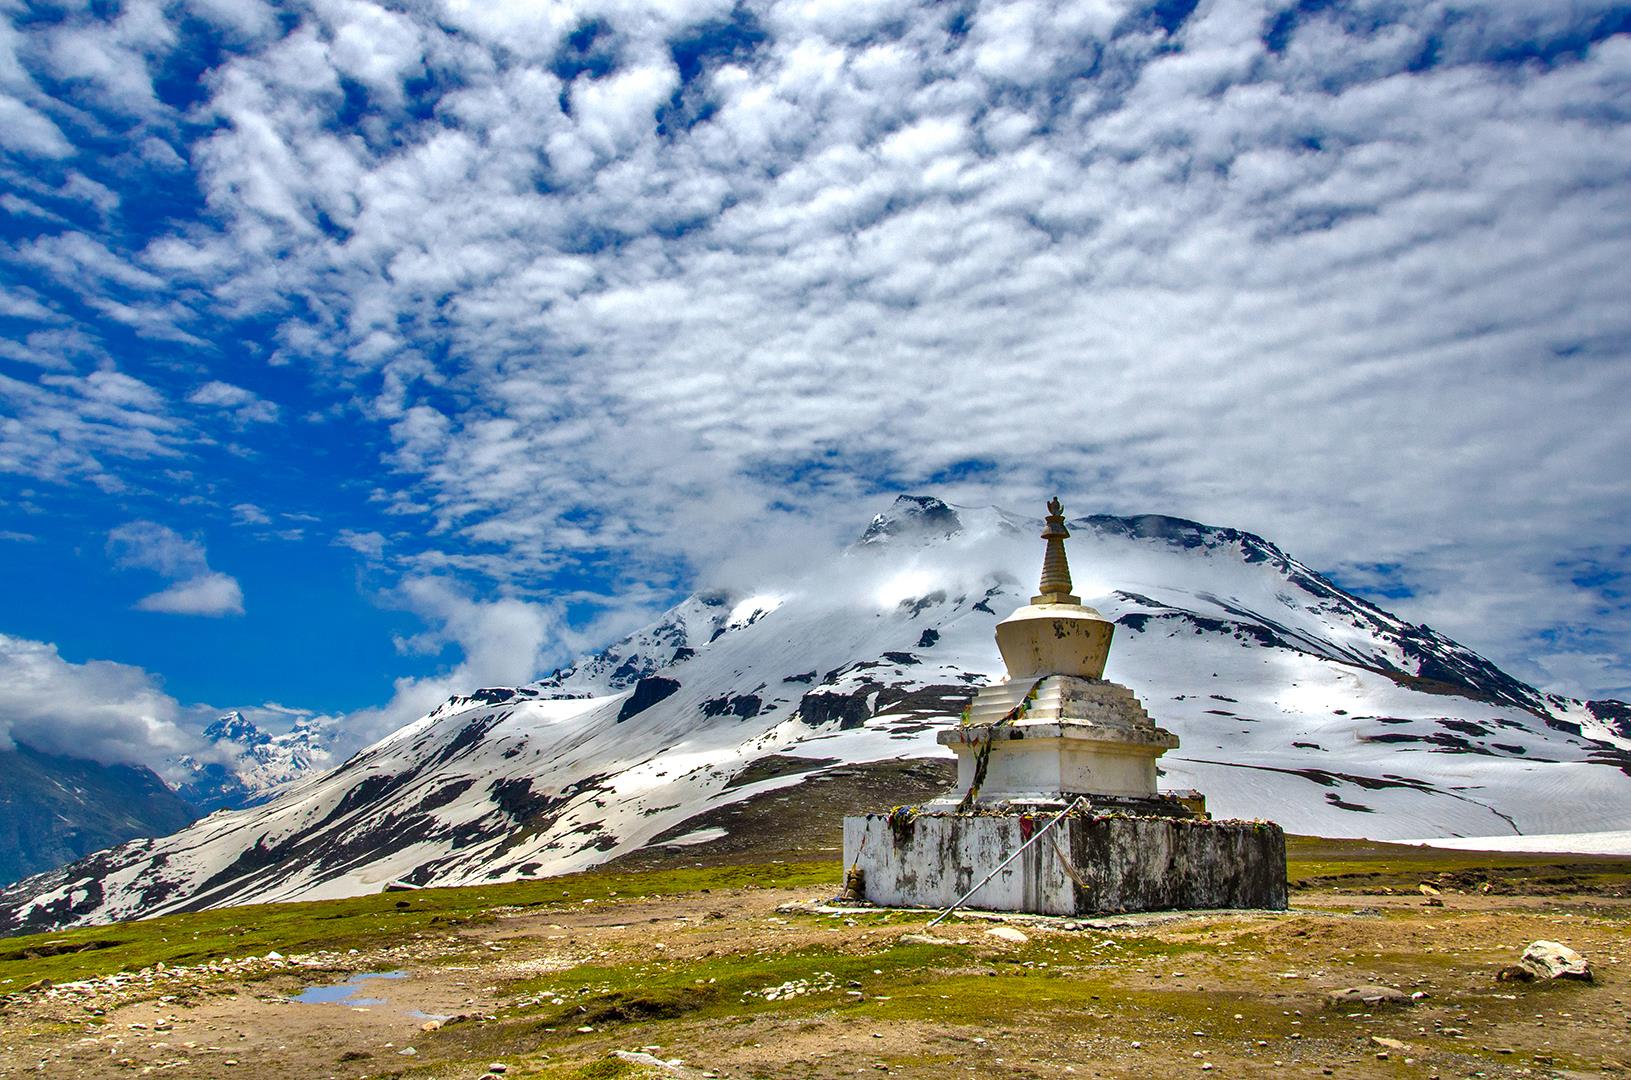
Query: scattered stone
point(924, 939)
point(432, 1025)
point(1515, 973)
point(498, 1067)
point(1367, 995)
point(652, 1061)
point(1554, 960)
point(1390, 1044)
point(1007, 933)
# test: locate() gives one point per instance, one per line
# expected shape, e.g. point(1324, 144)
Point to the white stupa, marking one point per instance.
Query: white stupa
point(1056, 809)
point(1053, 728)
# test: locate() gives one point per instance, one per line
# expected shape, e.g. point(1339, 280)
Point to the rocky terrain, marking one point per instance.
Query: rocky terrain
point(1294, 700)
point(1391, 962)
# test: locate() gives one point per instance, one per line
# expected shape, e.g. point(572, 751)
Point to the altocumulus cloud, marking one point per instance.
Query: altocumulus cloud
point(195, 588)
point(1350, 274)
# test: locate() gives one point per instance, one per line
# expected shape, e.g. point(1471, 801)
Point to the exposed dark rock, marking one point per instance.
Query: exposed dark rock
point(823, 705)
point(921, 604)
point(928, 639)
point(1616, 714)
point(743, 705)
point(647, 692)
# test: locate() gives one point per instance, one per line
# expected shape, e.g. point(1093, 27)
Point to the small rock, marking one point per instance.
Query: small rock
point(640, 1057)
point(407, 1051)
point(1367, 995)
point(432, 1025)
point(924, 939)
point(1007, 933)
point(1553, 960)
point(1391, 1044)
point(498, 1067)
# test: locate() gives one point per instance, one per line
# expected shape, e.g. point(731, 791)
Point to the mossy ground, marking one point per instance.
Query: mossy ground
point(701, 964)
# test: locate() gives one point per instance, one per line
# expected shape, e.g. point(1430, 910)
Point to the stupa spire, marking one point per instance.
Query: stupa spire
point(1055, 586)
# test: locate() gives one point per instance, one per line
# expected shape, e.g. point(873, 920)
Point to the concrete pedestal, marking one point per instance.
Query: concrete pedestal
point(1087, 864)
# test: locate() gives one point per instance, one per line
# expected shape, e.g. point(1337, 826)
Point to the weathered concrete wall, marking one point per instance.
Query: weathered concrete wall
point(1084, 865)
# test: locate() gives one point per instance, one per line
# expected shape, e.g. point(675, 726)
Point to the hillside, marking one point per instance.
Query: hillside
point(55, 809)
point(1294, 700)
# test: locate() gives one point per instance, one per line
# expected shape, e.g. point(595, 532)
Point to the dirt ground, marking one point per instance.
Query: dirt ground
point(1148, 996)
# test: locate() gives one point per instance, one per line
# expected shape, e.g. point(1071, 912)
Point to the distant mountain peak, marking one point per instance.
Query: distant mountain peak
point(912, 517)
point(234, 727)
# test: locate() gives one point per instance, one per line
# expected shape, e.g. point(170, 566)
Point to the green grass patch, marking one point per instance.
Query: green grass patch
point(1317, 863)
point(361, 922)
point(731, 985)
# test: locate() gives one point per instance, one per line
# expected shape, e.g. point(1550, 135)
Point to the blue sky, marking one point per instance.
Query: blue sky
point(352, 353)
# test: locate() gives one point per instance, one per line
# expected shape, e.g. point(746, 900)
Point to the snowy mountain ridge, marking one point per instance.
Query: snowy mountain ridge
point(253, 766)
point(1293, 699)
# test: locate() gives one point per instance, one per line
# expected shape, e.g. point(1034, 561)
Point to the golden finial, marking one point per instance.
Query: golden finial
point(1055, 587)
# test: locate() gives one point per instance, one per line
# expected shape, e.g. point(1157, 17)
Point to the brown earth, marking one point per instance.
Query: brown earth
point(1147, 996)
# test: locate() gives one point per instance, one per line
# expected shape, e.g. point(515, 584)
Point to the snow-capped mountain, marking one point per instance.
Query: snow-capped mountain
point(1294, 700)
point(249, 766)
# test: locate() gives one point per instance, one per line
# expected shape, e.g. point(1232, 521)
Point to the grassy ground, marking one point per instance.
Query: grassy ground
point(716, 966)
point(362, 922)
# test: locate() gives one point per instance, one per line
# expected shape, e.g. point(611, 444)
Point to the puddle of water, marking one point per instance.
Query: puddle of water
point(345, 993)
point(418, 1015)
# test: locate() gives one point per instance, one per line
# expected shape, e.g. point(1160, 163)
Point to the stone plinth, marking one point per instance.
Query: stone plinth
point(1087, 864)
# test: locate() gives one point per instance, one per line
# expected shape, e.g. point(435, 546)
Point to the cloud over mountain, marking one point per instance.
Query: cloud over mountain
point(611, 292)
point(108, 712)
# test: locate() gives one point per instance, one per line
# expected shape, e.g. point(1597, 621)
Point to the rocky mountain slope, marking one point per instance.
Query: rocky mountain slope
point(56, 809)
point(254, 766)
point(1294, 700)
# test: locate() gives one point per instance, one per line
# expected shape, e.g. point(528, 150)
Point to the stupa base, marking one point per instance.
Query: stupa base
point(1090, 863)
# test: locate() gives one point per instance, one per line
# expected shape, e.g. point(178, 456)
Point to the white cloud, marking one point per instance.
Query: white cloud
point(28, 131)
point(1369, 309)
point(147, 545)
point(99, 710)
point(213, 593)
point(245, 406)
point(370, 544)
point(504, 642)
point(195, 589)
